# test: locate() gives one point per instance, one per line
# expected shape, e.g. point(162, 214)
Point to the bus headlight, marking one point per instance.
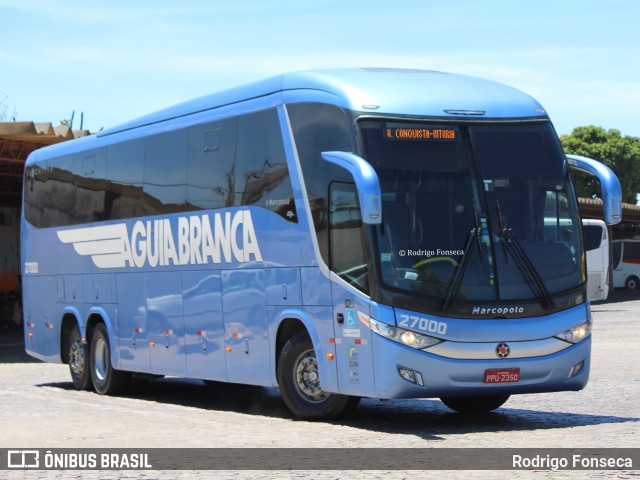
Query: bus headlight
point(405, 337)
point(577, 333)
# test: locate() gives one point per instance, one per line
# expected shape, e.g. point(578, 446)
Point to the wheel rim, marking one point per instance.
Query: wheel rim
point(76, 357)
point(100, 359)
point(306, 378)
point(631, 284)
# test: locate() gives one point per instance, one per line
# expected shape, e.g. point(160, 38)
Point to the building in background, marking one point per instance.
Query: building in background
point(17, 141)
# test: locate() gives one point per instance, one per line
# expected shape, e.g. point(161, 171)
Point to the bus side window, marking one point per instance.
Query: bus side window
point(165, 172)
point(34, 194)
point(261, 172)
point(617, 251)
point(124, 177)
point(320, 128)
point(212, 152)
point(631, 251)
point(89, 170)
point(239, 161)
point(592, 237)
point(60, 200)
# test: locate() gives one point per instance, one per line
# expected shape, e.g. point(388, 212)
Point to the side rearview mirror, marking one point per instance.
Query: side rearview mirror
point(367, 183)
point(611, 191)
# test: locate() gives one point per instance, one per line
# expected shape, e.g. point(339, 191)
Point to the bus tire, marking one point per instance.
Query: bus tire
point(475, 404)
point(297, 374)
point(79, 365)
point(106, 379)
point(631, 283)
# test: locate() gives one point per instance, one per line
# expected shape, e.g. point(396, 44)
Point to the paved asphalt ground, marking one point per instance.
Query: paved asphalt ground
point(40, 409)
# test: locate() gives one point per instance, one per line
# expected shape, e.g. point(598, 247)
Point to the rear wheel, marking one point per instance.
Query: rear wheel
point(300, 383)
point(106, 379)
point(79, 361)
point(475, 404)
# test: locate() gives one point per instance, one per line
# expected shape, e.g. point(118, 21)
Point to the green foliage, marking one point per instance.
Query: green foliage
point(620, 154)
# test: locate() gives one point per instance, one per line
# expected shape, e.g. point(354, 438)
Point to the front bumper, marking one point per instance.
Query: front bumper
point(451, 377)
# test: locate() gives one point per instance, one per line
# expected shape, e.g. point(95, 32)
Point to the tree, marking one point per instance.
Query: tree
point(4, 108)
point(620, 154)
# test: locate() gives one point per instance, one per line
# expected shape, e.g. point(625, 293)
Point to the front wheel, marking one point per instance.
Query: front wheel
point(79, 361)
point(106, 379)
point(300, 383)
point(475, 404)
point(631, 283)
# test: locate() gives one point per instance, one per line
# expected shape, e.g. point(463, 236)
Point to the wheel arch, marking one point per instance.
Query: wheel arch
point(631, 278)
point(289, 323)
point(287, 328)
point(70, 318)
point(96, 315)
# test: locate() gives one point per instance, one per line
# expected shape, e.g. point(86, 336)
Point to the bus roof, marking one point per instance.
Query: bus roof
point(421, 93)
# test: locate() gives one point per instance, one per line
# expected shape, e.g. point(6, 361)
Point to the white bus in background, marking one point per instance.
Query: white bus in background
point(626, 263)
point(596, 244)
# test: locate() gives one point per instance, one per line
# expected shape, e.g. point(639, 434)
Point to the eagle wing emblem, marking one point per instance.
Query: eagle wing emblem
point(106, 245)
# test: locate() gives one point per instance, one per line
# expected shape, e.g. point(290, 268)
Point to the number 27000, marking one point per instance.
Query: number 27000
point(421, 323)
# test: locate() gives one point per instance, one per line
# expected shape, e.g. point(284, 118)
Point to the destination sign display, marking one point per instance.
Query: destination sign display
point(404, 132)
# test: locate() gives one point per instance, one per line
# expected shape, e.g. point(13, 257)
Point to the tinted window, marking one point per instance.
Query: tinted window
point(240, 161)
point(35, 193)
point(261, 173)
point(165, 172)
point(617, 247)
point(347, 237)
point(233, 162)
point(592, 236)
point(473, 213)
point(631, 251)
point(212, 151)
point(60, 200)
point(88, 171)
point(125, 170)
point(320, 128)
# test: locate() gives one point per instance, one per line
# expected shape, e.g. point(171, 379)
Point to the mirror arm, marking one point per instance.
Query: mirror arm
point(367, 183)
point(611, 191)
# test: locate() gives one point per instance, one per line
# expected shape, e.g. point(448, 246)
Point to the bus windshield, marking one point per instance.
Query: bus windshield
point(477, 212)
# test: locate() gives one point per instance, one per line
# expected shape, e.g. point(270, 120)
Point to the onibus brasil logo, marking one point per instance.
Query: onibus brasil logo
point(153, 243)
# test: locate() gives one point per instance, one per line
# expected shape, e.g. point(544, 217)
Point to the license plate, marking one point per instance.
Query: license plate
point(503, 375)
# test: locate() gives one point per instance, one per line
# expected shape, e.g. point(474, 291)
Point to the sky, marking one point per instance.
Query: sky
point(118, 60)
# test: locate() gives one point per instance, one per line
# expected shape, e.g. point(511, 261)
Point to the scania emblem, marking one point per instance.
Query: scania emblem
point(503, 350)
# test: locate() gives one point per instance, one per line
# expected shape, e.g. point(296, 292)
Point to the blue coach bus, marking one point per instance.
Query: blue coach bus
point(339, 234)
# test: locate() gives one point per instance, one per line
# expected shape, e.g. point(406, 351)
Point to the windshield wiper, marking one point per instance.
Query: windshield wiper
point(462, 267)
point(513, 246)
point(477, 222)
point(454, 287)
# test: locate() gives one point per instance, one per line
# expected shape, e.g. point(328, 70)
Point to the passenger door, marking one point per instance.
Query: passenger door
point(354, 355)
